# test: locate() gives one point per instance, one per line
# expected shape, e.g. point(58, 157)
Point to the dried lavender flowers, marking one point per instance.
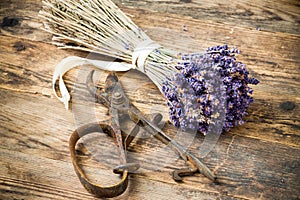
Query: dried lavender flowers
point(195, 95)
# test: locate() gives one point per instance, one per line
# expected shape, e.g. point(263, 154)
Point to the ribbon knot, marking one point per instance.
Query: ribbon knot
point(141, 52)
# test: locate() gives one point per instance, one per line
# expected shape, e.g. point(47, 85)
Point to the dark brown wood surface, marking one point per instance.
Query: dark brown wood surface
point(259, 160)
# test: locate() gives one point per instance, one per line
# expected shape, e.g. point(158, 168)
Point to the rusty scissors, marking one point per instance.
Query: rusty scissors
point(114, 98)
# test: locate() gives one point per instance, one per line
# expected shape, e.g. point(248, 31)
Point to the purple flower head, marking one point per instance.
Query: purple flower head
point(205, 85)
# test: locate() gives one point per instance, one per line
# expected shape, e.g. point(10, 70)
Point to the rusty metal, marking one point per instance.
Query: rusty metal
point(96, 189)
point(121, 110)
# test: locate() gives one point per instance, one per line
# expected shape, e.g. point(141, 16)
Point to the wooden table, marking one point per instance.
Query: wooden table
point(258, 160)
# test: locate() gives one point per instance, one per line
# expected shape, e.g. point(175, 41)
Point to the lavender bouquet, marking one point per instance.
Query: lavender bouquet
point(191, 92)
point(199, 87)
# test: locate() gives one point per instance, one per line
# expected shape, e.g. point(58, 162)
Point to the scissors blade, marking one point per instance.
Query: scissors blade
point(160, 135)
point(118, 135)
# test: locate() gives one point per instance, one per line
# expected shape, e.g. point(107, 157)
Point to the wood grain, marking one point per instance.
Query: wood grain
point(274, 16)
point(259, 160)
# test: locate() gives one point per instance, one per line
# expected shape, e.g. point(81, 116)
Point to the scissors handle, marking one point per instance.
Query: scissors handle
point(96, 189)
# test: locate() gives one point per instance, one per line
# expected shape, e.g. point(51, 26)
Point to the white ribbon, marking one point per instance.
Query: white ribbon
point(139, 56)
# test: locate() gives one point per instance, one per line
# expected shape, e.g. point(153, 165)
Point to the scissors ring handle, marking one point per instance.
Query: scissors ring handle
point(96, 189)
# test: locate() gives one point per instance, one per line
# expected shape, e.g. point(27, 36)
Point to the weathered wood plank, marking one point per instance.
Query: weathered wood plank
point(26, 181)
point(259, 160)
point(246, 168)
point(275, 16)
